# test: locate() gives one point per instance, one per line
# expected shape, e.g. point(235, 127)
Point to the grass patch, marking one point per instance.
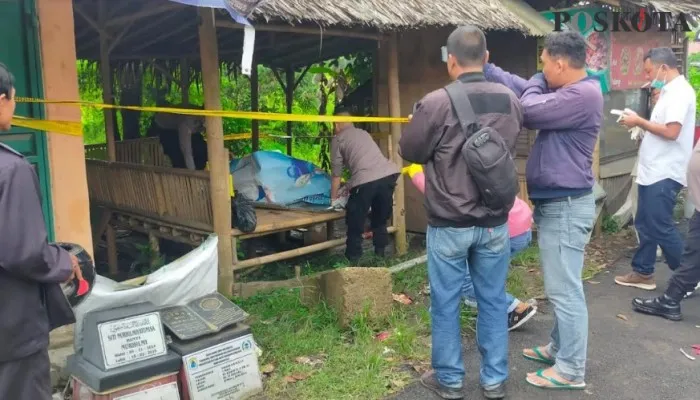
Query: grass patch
point(309, 357)
point(306, 355)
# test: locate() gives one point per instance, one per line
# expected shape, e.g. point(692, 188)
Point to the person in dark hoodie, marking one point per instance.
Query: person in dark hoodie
point(566, 106)
point(31, 270)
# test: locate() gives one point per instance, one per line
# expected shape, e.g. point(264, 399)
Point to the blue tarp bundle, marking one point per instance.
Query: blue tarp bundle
point(276, 178)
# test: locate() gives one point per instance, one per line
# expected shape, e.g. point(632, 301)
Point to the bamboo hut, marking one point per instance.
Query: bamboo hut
point(182, 42)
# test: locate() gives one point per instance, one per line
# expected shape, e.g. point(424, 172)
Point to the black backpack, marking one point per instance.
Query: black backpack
point(488, 157)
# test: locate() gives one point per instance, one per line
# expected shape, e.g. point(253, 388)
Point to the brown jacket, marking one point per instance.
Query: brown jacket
point(434, 138)
point(355, 149)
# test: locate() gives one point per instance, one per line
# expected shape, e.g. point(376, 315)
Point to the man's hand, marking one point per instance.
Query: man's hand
point(630, 119)
point(77, 272)
point(410, 117)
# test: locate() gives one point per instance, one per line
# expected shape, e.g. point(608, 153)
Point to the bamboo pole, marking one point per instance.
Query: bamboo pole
point(218, 159)
point(399, 212)
point(108, 98)
point(106, 74)
point(254, 106)
point(285, 255)
point(289, 94)
point(185, 80)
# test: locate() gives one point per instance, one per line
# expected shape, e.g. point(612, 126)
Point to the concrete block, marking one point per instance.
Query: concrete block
point(351, 291)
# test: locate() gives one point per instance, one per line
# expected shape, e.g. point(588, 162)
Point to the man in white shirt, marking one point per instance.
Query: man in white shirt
point(663, 160)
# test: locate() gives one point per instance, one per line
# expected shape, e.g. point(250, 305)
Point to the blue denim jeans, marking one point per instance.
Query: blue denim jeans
point(517, 244)
point(452, 254)
point(563, 230)
point(654, 223)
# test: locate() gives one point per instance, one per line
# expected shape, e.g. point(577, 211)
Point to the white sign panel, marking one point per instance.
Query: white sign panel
point(130, 340)
point(227, 371)
point(162, 392)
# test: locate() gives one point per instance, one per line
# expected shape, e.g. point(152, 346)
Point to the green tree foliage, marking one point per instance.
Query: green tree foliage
point(324, 83)
point(694, 77)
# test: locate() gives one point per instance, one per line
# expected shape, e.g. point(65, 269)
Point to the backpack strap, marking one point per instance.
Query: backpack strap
point(461, 105)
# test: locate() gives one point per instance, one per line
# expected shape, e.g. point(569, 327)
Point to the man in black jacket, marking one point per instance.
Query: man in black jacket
point(463, 234)
point(31, 270)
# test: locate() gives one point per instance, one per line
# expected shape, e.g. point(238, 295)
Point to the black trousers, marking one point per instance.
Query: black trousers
point(27, 378)
point(687, 276)
point(375, 197)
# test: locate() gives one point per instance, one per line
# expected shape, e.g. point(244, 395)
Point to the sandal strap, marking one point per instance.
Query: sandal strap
point(536, 350)
point(553, 381)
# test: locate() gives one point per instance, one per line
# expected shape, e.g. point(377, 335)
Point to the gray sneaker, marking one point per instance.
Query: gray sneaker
point(430, 381)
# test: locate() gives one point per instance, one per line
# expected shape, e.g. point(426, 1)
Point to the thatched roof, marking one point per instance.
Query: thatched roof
point(392, 14)
point(164, 30)
point(674, 6)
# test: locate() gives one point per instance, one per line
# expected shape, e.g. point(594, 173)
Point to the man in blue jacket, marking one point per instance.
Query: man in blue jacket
point(566, 106)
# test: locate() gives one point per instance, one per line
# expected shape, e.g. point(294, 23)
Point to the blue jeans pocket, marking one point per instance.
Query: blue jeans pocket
point(450, 242)
point(496, 239)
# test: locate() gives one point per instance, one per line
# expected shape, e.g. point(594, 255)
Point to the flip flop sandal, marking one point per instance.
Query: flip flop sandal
point(556, 385)
point(538, 357)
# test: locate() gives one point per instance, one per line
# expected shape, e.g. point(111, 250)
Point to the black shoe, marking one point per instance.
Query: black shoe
point(429, 380)
point(516, 319)
point(497, 392)
point(662, 306)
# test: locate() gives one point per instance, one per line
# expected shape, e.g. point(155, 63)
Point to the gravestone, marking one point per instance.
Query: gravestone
point(219, 359)
point(122, 347)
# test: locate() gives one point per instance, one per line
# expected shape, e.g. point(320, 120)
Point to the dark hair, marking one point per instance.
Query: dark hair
point(7, 81)
point(340, 110)
point(662, 55)
point(468, 45)
point(568, 44)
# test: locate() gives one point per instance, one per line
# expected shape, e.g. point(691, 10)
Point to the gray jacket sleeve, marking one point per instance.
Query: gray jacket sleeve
point(24, 249)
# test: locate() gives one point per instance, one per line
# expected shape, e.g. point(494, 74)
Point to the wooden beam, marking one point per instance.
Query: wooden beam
point(149, 11)
point(120, 36)
point(94, 24)
point(159, 38)
point(282, 83)
point(106, 74)
point(254, 106)
point(399, 212)
point(218, 157)
point(305, 30)
point(289, 95)
point(301, 77)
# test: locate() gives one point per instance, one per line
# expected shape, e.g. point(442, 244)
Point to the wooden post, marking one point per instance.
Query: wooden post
point(108, 98)
point(218, 158)
point(290, 99)
point(185, 80)
point(106, 74)
point(254, 106)
point(399, 212)
point(154, 244)
point(112, 255)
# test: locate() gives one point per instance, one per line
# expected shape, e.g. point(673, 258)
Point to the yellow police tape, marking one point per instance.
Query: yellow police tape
point(264, 116)
point(64, 127)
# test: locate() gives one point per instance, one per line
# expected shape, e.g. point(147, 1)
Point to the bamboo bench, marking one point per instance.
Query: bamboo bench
point(174, 204)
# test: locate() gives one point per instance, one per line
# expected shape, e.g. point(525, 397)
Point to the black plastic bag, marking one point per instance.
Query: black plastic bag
point(243, 215)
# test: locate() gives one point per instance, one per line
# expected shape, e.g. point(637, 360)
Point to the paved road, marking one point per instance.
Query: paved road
point(636, 359)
